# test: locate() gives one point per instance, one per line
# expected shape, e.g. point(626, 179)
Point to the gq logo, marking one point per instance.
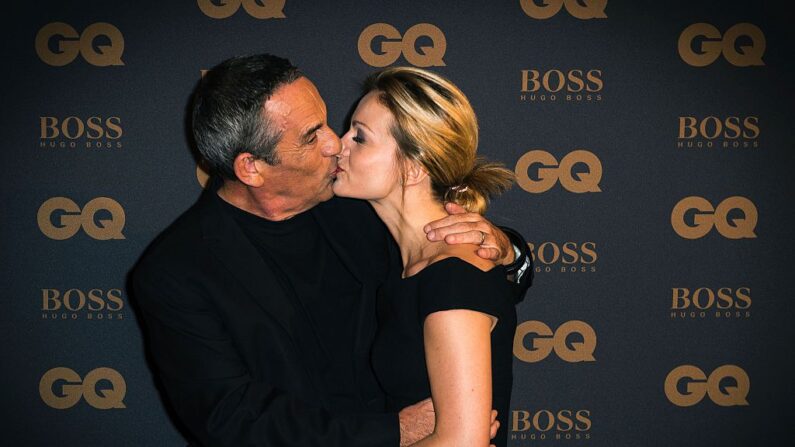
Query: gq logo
point(394, 45)
point(698, 385)
point(62, 388)
point(263, 9)
point(546, 341)
point(707, 217)
point(593, 9)
point(551, 171)
point(60, 218)
point(70, 44)
point(710, 45)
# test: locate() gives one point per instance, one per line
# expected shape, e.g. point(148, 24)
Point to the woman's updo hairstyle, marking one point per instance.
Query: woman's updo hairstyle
point(435, 126)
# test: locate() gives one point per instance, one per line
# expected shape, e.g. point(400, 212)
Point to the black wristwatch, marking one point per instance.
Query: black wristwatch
point(518, 241)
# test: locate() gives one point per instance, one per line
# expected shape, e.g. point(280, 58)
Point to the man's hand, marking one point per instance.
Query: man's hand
point(416, 422)
point(495, 425)
point(462, 227)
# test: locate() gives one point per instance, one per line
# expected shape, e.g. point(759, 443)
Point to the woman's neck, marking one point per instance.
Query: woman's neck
point(405, 216)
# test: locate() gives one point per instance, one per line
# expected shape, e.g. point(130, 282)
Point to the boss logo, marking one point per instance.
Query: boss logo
point(571, 256)
point(705, 298)
point(61, 218)
point(567, 253)
point(62, 388)
point(70, 43)
point(546, 420)
point(712, 127)
point(555, 81)
point(706, 217)
point(392, 45)
point(697, 385)
point(724, 302)
point(262, 9)
point(75, 304)
point(710, 45)
point(73, 127)
point(550, 172)
point(711, 131)
point(95, 131)
point(545, 341)
point(581, 9)
point(75, 300)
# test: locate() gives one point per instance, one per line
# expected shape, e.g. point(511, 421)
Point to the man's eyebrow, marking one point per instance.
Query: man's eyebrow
point(305, 136)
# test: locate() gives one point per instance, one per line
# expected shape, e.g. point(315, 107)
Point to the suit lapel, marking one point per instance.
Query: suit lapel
point(358, 254)
point(235, 251)
point(332, 226)
point(232, 248)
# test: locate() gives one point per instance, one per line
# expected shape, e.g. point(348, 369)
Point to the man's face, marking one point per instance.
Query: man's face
point(307, 149)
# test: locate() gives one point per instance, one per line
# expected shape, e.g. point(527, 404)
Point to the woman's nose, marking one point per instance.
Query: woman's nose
point(344, 151)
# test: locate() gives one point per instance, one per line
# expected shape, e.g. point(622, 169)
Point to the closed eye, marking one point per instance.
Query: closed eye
point(311, 135)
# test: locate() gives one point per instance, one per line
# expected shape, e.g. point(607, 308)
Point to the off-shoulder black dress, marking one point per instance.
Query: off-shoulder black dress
point(398, 353)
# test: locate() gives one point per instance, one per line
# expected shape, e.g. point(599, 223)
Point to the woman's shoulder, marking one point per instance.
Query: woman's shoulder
point(461, 282)
point(456, 271)
point(456, 257)
point(453, 260)
point(466, 253)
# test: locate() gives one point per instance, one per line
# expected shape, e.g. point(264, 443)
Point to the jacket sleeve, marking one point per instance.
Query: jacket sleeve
point(521, 270)
point(211, 390)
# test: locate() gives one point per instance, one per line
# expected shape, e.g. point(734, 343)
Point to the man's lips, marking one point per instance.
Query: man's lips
point(337, 171)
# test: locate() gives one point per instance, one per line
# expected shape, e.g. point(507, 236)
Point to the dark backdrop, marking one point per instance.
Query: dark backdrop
point(656, 194)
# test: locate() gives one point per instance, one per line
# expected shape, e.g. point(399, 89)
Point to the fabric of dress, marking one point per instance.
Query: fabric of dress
point(398, 354)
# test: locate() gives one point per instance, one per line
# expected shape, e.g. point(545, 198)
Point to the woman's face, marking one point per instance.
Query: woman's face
point(368, 167)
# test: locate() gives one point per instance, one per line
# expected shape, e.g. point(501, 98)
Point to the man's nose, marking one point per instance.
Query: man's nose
point(333, 146)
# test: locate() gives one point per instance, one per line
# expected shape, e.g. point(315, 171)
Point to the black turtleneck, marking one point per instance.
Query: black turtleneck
point(310, 271)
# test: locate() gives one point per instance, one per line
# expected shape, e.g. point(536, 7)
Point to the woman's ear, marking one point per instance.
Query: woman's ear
point(413, 173)
point(248, 170)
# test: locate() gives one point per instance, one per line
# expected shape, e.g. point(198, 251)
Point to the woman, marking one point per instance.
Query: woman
point(447, 322)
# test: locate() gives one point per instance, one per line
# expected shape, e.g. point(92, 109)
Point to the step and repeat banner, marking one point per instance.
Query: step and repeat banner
point(652, 143)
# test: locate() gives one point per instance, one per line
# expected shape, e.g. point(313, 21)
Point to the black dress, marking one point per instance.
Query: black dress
point(398, 353)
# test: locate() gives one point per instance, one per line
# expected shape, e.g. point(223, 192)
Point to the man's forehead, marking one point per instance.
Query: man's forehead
point(278, 112)
point(306, 87)
point(297, 101)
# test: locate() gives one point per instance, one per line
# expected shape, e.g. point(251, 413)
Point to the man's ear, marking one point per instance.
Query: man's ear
point(413, 173)
point(248, 170)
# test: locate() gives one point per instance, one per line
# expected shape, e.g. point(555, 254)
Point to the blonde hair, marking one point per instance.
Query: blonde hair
point(435, 126)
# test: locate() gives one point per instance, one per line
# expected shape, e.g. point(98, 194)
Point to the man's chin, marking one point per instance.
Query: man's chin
point(327, 194)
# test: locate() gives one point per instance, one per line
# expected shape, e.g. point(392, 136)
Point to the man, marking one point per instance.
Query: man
point(259, 301)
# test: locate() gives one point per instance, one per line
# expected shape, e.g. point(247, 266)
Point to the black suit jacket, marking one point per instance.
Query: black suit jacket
point(237, 357)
